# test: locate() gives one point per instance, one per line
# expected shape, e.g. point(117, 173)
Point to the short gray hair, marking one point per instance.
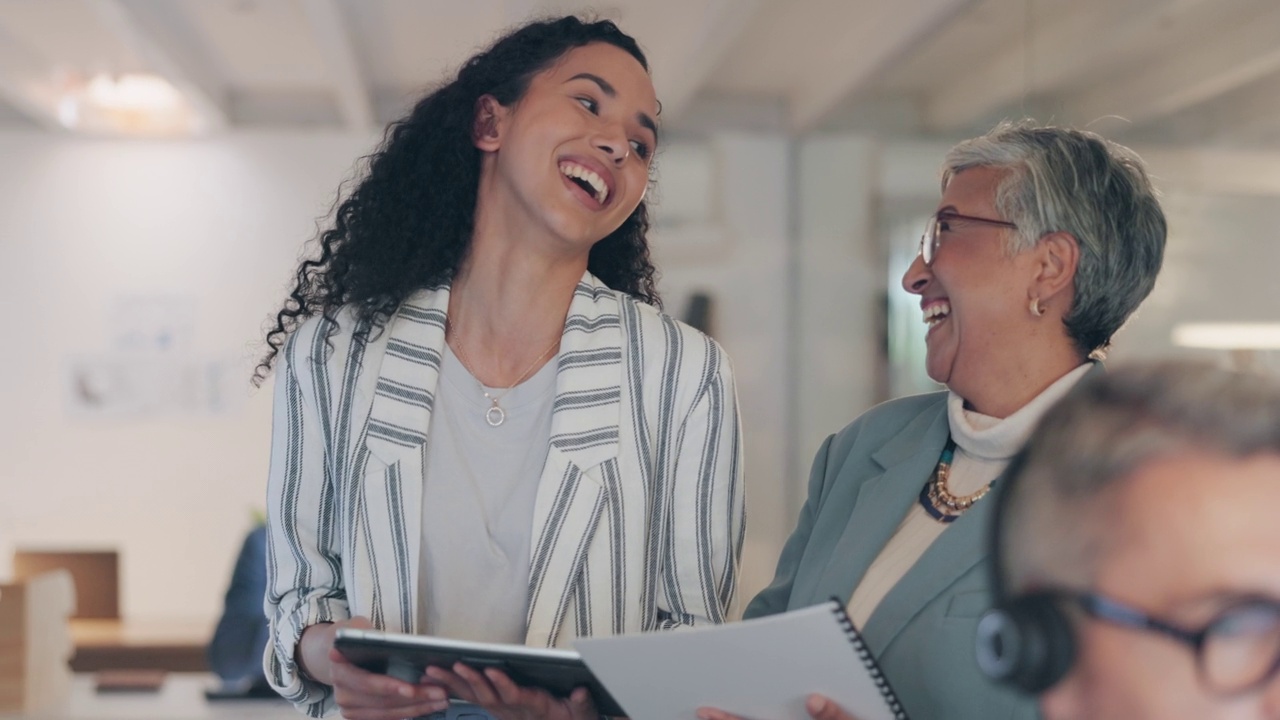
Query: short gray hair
point(1103, 431)
point(1075, 181)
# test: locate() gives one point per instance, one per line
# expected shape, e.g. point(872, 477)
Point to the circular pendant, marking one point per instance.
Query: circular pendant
point(495, 415)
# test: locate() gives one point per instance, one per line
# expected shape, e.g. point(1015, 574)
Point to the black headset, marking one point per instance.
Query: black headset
point(1025, 641)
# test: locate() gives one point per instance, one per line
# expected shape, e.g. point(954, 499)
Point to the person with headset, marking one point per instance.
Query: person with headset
point(1044, 241)
point(1136, 569)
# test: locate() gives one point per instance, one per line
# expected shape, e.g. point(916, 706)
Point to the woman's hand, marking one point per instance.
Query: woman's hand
point(504, 699)
point(360, 694)
point(819, 707)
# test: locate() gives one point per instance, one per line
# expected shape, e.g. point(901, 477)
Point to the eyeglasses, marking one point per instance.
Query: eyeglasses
point(941, 221)
point(1238, 650)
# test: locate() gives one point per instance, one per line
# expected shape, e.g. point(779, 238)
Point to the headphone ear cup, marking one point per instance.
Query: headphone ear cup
point(1026, 642)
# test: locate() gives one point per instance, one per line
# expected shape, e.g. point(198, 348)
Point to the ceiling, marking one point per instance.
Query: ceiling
point(1196, 72)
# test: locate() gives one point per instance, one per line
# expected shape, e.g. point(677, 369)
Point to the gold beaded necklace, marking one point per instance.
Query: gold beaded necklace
point(936, 497)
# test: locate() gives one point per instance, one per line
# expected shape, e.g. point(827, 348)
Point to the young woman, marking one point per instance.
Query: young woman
point(483, 427)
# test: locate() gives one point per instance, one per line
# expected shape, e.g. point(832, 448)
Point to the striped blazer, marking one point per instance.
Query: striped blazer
point(638, 517)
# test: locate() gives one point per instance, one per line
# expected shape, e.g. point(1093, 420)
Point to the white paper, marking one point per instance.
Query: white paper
point(761, 669)
point(149, 385)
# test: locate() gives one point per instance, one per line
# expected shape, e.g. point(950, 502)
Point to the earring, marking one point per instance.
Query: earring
point(1036, 308)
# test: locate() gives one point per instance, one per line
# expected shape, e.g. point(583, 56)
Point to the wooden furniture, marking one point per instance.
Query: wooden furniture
point(139, 645)
point(103, 640)
point(180, 697)
point(96, 574)
point(35, 643)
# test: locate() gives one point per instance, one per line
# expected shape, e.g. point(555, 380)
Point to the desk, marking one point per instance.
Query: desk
point(163, 645)
point(180, 698)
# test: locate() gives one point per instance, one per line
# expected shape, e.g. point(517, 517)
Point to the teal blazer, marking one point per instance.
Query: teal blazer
point(864, 480)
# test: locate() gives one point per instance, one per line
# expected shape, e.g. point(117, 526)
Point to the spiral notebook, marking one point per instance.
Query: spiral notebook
point(761, 669)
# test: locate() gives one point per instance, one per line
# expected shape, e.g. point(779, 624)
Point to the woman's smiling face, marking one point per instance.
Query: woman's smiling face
point(574, 151)
point(974, 296)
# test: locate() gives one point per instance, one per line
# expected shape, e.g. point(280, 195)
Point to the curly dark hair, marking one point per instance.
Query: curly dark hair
point(408, 223)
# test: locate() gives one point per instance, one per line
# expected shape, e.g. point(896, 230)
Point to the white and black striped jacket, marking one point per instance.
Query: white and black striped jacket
point(638, 521)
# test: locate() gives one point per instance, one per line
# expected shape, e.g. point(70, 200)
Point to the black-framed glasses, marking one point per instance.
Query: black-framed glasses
point(1236, 651)
point(940, 221)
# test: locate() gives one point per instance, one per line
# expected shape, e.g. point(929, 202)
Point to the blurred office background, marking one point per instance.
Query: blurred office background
point(162, 163)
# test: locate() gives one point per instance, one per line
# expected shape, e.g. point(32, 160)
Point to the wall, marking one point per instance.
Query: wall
point(1219, 267)
point(86, 225)
point(840, 283)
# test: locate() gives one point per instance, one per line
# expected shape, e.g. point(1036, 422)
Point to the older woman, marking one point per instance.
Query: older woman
point(1045, 241)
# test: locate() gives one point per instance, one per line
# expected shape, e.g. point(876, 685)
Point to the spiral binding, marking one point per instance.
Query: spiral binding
point(868, 660)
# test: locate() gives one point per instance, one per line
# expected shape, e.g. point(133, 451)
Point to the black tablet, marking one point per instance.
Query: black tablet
point(406, 656)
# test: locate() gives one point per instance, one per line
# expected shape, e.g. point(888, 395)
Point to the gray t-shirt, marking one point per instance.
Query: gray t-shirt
point(477, 505)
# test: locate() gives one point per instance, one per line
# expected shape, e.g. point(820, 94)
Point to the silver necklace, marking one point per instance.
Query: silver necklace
point(495, 415)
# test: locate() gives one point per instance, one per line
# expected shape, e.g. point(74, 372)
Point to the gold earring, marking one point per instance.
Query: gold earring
point(1036, 308)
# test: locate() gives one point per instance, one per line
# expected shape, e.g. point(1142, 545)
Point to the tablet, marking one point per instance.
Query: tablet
point(405, 657)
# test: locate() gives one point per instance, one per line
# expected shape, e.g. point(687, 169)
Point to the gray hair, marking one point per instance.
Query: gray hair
point(1075, 181)
point(1058, 485)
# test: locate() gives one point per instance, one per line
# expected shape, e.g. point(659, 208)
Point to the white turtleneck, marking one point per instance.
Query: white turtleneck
point(984, 446)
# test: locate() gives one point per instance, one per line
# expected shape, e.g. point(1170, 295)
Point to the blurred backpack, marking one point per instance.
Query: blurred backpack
point(240, 639)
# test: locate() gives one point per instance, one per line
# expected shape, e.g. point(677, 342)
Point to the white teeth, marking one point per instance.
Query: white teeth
point(935, 313)
point(597, 183)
